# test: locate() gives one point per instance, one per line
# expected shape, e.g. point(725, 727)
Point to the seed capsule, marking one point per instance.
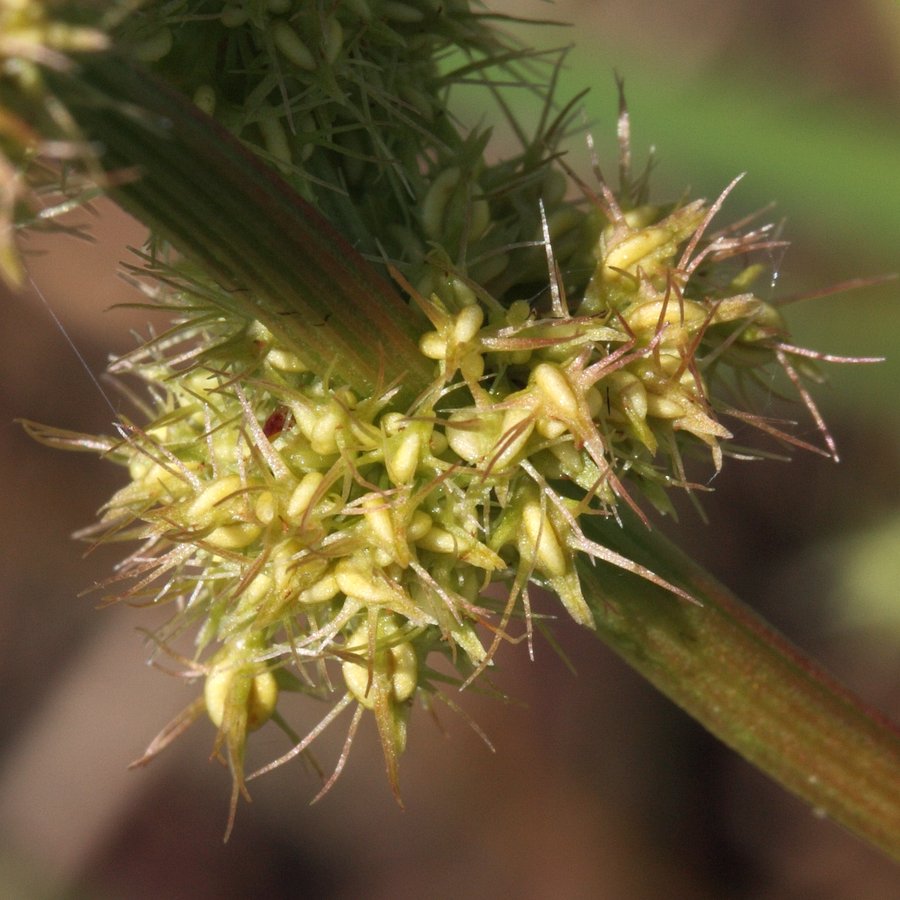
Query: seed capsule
point(436, 200)
point(290, 44)
point(556, 393)
point(394, 669)
point(227, 682)
point(205, 98)
point(541, 541)
point(472, 435)
point(402, 455)
point(633, 249)
point(211, 496)
point(333, 40)
point(302, 497)
point(234, 537)
point(275, 138)
point(467, 323)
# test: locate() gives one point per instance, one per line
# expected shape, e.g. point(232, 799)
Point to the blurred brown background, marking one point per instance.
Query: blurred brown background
point(599, 787)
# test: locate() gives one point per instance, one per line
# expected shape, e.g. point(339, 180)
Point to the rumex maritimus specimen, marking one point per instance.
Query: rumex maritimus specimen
point(325, 512)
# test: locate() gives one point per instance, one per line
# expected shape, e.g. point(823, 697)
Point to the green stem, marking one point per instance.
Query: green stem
point(280, 261)
point(748, 685)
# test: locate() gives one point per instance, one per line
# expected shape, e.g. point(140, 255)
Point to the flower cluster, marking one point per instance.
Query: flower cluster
point(304, 531)
point(317, 540)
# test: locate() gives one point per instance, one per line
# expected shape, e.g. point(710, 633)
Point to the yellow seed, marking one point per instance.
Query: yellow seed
point(215, 693)
point(346, 397)
point(252, 596)
point(266, 507)
point(275, 138)
point(356, 677)
point(630, 392)
point(234, 537)
point(743, 306)
point(483, 557)
point(302, 497)
point(668, 362)
point(382, 558)
point(467, 323)
point(437, 198)
point(440, 541)
point(157, 478)
point(285, 360)
point(419, 525)
point(556, 391)
point(542, 540)
point(402, 457)
point(633, 249)
point(471, 366)
point(334, 40)
point(306, 418)
point(261, 700)
point(519, 312)
point(438, 443)
point(393, 422)
point(648, 316)
point(472, 434)
point(395, 667)
point(479, 219)
point(359, 583)
point(283, 563)
point(404, 677)
point(433, 345)
point(205, 98)
point(550, 428)
point(325, 589)
point(664, 407)
point(213, 495)
point(571, 461)
point(378, 518)
point(641, 216)
point(324, 436)
point(290, 44)
point(518, 423)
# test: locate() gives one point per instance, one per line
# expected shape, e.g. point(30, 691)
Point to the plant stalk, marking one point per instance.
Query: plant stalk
point(278, 259)
point(747, 684)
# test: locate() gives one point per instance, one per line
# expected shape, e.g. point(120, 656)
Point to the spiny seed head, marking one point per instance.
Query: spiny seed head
point(319, 538)
point(323, 540)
